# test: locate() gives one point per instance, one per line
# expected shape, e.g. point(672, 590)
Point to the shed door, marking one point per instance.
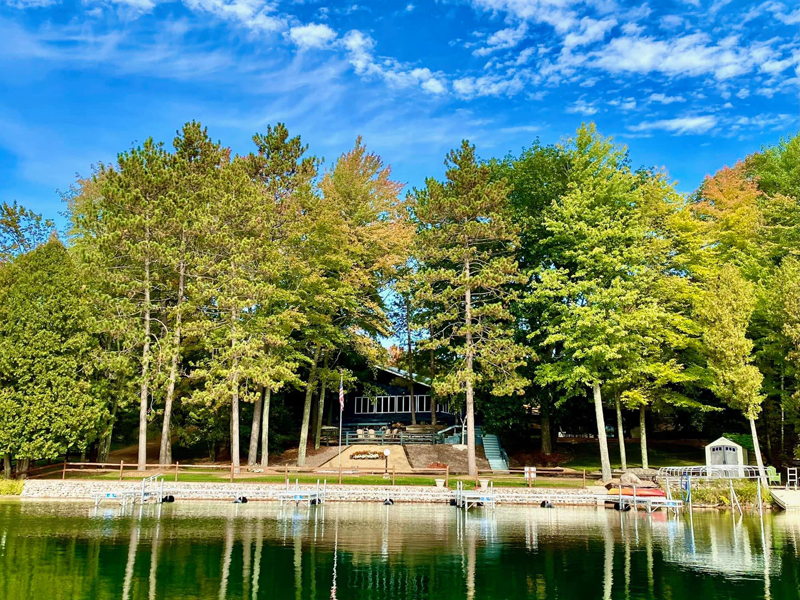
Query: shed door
point(723, 455)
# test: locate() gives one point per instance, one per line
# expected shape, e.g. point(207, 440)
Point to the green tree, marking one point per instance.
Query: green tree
point(21, 230)
point(355, 239)
point(725, 311)
point(48, 357)
point(117, 233)
point(466, 245)
point(607, 289)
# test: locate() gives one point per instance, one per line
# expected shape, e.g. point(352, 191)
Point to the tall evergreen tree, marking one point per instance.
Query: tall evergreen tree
point(467, 244)
point(48, 357)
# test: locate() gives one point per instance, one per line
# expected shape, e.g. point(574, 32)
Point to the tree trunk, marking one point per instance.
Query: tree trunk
point(783, 411)
point(265, 428)
point(165, 451)
point(621, 433)
point(472, 467)
point(234, 397)
point(430, 390)
point(7, 465)
point(143, 390)
point(547, 434)
point(761, 473)
point(643, 436)
point(321, 408)
point(255, 431)
point(410, 364)
point(312, 380)
point(601, 433)
point(105, 442)
point(22, 467)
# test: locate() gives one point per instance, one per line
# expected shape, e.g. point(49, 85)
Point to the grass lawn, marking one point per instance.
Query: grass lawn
point(332, 478)
point(587, 455)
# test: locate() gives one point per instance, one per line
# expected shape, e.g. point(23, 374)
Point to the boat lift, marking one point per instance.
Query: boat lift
point(300, 496)
point(152, 489)
point(467, 499)
point(684, 476)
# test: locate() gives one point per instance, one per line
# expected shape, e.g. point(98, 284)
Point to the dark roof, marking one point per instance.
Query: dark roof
point(404, 374)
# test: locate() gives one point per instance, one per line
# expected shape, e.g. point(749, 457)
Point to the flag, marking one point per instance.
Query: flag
point(341, 392)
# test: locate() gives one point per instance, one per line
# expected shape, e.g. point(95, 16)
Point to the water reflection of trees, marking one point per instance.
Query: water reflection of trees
point(258, 551)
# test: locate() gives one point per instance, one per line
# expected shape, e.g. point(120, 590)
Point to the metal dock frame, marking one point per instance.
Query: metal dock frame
point(315, 496)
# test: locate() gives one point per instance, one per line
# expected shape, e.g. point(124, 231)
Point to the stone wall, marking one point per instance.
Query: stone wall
point(85, 490)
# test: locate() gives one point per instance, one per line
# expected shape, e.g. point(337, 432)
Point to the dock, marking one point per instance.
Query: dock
point(303, 496)
point(785, 498)
point(152, 489)
point(467, 499)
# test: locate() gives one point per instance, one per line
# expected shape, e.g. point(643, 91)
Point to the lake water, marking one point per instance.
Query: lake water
point(53, 551)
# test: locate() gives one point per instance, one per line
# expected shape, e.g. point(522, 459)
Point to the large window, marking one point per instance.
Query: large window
point(396, 404)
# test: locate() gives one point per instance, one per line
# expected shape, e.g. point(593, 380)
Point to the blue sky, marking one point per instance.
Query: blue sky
point(691, 85)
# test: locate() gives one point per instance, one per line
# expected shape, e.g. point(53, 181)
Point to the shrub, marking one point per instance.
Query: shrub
point(718, 493)
point(10, 487)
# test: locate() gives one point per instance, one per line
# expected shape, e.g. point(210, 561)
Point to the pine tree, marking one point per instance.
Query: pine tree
point(466, 246)
point(117, 232)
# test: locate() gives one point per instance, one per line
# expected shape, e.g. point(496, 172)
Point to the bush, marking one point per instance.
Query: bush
point(10, 487)
point(718, 493)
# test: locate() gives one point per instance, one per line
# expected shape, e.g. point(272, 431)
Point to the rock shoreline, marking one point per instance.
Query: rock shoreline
point(86, 490)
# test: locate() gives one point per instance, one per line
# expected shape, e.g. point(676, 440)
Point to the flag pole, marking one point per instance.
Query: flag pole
point(341, 412)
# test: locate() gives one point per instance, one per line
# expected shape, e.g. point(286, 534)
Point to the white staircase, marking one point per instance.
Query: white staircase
point(494, 453)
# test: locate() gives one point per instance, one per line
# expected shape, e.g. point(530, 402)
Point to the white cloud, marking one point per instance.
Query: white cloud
point(313, 35)
point(743, 93)
point(257, 15)
point(664, 99)
point(520, 129)
point(410, 7)
point(687, 55)
point(434, 86)
point(624, 103)
point(671, 21)
point(557, 13)
point(23, 4)
point(359, 48)
point(591, 30)
point(488, 85)
point(582, 108)
point(679, 125)
point(503, 39)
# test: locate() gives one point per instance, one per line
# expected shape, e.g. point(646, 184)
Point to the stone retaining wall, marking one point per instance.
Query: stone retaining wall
point(85, 490)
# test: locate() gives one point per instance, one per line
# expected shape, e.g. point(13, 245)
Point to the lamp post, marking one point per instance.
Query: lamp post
point(386, 463)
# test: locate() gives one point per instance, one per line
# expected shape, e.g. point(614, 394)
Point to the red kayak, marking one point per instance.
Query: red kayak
point(640, 492)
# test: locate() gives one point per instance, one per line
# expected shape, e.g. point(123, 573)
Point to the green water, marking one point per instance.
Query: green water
point(50, 551)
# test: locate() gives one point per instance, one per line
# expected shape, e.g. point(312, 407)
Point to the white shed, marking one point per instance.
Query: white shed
point(724, 452)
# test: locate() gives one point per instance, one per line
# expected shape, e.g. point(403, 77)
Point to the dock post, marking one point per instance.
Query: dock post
point(393, 470)
point(120, 469)
point(340, 471)
point(176, 472)
point(447, 476)
point(286, 474)
point(64, 470)
point(584, 479)
point(231, 471)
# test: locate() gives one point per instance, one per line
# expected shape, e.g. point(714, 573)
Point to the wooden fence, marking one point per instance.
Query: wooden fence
point(245, 472)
